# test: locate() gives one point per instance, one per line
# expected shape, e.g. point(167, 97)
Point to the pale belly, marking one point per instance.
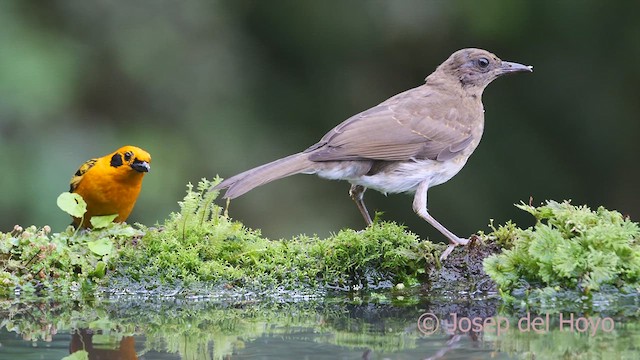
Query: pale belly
point(398, 177)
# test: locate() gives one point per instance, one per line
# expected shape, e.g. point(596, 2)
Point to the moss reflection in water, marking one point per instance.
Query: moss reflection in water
point(215, 330)
point(203, 330)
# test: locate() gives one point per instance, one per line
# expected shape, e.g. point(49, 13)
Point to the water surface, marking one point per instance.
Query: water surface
point(346, 327)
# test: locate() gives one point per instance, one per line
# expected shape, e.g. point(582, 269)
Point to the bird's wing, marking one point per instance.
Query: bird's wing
point(411, 125)
point(77, 177)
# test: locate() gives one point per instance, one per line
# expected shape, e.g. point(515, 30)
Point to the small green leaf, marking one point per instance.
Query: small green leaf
point(100, 247)
point(100, 270)
point(99, 222)
point(72, 203)
point(78, 355)
point(127, 232)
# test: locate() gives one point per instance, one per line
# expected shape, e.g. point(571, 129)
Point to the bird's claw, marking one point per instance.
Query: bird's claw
point(452, 245)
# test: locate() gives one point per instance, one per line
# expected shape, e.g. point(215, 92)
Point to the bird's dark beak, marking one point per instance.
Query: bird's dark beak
point(140, 166)
point(511, 67)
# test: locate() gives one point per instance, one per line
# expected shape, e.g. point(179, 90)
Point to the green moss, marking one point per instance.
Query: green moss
point(36, 260)
point(201, 244)
point(570, 247)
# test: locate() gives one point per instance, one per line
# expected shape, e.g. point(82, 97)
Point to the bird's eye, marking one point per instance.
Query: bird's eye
point(483, 62)
point(128, 155)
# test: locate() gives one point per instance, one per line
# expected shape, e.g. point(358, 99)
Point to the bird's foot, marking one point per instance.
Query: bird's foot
point(452, 245)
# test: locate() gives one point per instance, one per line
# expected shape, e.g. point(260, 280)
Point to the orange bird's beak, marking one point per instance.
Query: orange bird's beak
point(140, 166)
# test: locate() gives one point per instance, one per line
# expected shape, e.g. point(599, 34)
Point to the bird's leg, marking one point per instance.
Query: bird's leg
point(357, 195)
point(226, 208)
point(420, 207)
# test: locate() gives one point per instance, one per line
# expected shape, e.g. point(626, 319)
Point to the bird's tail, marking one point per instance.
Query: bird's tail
point(243, 182)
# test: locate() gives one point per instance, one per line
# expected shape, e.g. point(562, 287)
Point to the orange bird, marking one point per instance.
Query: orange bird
point(110, 184)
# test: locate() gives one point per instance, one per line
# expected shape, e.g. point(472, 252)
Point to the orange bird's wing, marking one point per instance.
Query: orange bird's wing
point(77, 177)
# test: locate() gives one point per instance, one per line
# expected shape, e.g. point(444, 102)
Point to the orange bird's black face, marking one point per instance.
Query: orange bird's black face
point(126, 156)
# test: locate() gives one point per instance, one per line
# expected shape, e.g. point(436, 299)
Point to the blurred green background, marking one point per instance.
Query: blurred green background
point(217, 87)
